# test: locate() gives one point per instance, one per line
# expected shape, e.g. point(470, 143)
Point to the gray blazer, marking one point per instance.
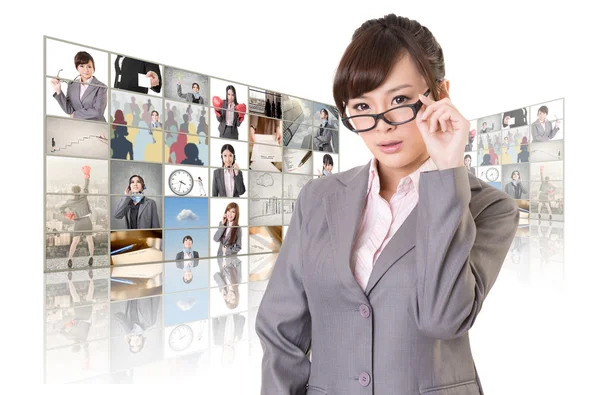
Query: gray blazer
point(91, 105)
point(322, 140)
point(407, 333)
point(543, 132)
point(232, 248)
point(189, 96)
point(218, 184)
point(147, 213)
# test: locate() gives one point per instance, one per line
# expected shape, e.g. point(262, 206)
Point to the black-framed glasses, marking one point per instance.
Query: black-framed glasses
point(394, 116)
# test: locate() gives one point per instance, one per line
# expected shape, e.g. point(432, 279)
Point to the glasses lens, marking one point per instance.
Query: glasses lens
point(397, 115)
point(361, 122)
point(400, 114)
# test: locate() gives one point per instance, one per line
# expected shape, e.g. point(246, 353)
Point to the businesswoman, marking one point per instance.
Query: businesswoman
point(86, 98)
point(230, 113)
point(515, 188)
point(386, 266)
point(138, 210)
point(228, 181)
point(229, 234)
point(327, 166)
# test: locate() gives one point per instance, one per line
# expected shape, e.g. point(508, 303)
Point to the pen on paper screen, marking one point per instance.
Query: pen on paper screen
point(127, 248)
point(305, 158)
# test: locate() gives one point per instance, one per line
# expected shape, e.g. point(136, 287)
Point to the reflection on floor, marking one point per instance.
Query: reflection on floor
point(205, 334)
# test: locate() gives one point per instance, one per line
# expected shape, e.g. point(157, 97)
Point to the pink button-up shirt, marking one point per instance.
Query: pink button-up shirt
point(229, 182)
point(382, 219)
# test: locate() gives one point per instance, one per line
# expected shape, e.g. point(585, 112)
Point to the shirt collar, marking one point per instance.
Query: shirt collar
point(413, 177)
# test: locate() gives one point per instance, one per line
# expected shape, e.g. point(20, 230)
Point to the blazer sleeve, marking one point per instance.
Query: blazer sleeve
point(155, 221)
point(459, 256)
point(181, 94)
point(154, 67)
point(86, 186)
point(325, 139)
point(283, 322)
point(179, 259)
point(64, 102)
point(219, 232)
point(122, 207)
point(553, 131)
point(239, 183)
point(237, 246)
point(215, 189)
point(96, 111)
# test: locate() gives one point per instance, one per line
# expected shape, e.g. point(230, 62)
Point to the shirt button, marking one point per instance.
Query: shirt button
point(365, 311)
point(364, 379)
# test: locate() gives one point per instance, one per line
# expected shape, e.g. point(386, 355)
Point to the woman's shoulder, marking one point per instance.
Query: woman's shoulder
point(97, 82)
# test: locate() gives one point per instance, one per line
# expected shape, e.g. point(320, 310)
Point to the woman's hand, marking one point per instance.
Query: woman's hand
point(128, 191)
point(444, 131)
point(56, 85)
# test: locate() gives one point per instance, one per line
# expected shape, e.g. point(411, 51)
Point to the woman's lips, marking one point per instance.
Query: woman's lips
point(390, 147)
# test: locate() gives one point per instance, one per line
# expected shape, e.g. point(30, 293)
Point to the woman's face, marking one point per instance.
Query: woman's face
point(329, 167)
point(86, 70)
point(155, 117)
point(231, 214)
point(468, 162)
point(516, 176)
point(395, 147)
point(230, 96)
point(136, 185)
point(187, 243)
point(230, 296)
point(542, 116)
point(195, 88)
point(227, 157)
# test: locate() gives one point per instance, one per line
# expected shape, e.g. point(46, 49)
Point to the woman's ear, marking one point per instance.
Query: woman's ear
point(444, 89)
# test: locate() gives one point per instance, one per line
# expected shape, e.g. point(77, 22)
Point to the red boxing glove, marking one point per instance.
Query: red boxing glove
point(217, 102)
point(241, 109)
point(70, 216)
point(86, 171)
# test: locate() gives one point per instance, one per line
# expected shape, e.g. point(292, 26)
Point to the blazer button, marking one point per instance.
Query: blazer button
point(364, 379)
point(365, 311)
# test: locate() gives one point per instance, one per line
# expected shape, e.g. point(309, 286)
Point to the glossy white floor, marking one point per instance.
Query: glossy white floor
point(91, 339)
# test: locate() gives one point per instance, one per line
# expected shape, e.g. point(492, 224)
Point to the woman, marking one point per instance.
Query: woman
point(327, 166)
point(193, 96)
point(229, 113)
point(545, 193)
point(139, 211)
point(515, 188)
point(78, 209)
point(85, 99)
point(523, 156)
point(392, 311)
point(228, 278)
point(467, 162)
point(228, 181)
point(229, 235)
point(120, 146)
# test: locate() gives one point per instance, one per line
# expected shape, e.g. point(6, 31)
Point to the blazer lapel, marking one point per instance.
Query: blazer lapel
point(344, 213)
point(90, 89)
point(143, 205)
point(401, 242)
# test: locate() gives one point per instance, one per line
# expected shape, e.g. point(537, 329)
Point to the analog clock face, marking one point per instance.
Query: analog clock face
point(181, 182)
point(492, 174)
point(181, 337)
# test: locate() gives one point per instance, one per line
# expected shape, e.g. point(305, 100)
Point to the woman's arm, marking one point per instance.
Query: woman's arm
point(283, 322)
point(64, 102)
point(239, 183)
point(458, 256)
point(237, 246)
point(219, 233)
point(215, 189)
point(122, 207)
point(155, 221)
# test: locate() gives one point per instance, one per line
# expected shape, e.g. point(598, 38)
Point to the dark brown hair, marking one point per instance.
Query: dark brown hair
point(83, 57)
point(234, 229)
point(376, 47)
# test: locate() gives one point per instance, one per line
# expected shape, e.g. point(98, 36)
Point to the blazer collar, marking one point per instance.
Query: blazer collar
point(344, 210)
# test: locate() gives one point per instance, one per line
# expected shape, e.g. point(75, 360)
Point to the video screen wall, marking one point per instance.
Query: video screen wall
point(521, 152)
point(167, 195)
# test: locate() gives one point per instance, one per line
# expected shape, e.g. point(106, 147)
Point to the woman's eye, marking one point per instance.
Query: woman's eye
point(399, 100)
point(361, 107)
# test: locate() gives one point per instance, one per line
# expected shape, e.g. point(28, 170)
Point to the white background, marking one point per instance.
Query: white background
point(538, 338)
